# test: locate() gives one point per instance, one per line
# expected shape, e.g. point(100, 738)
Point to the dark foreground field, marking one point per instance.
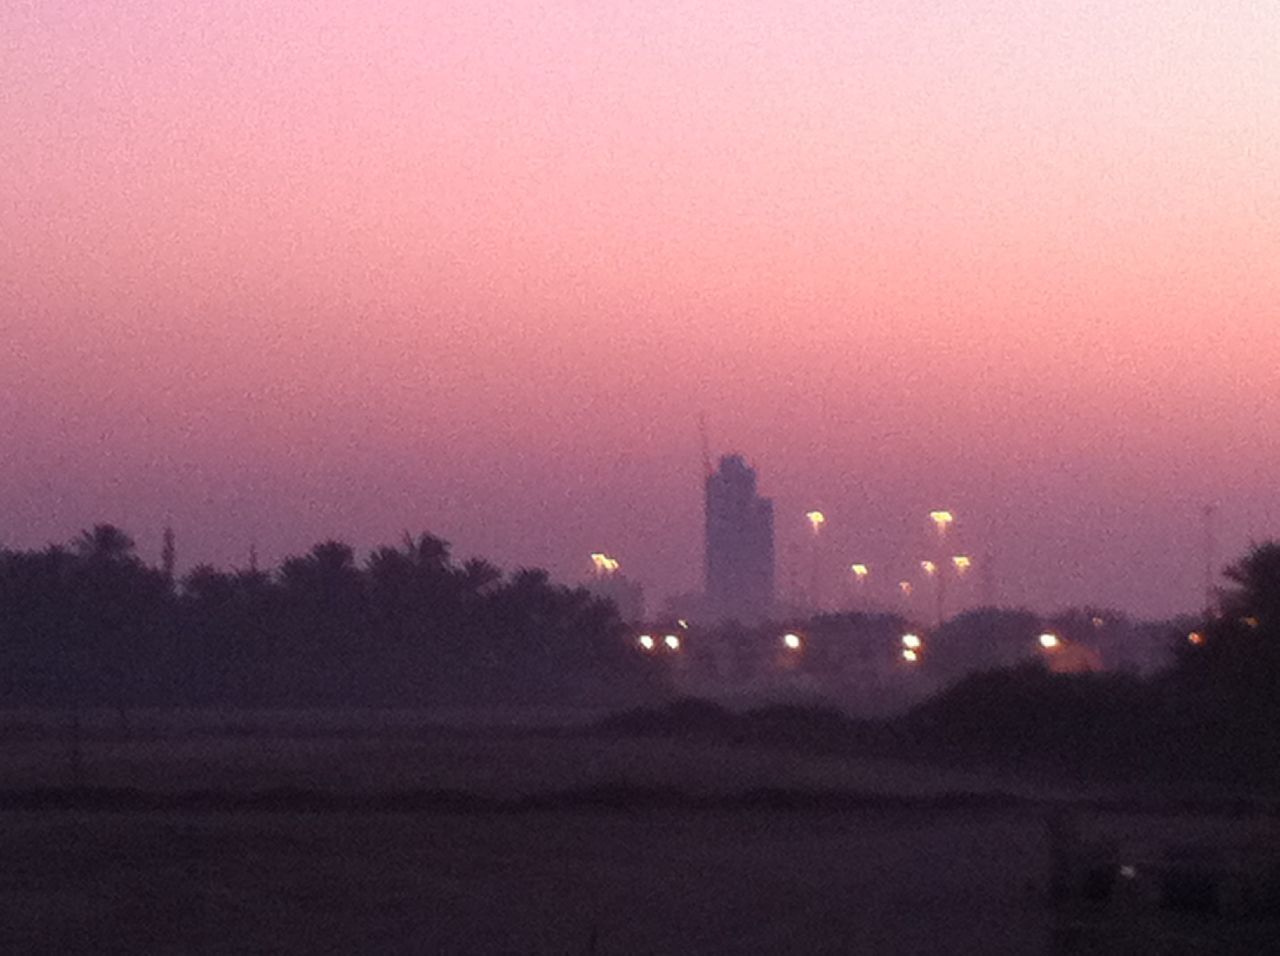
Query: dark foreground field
point(647, 881)
point(292, 835)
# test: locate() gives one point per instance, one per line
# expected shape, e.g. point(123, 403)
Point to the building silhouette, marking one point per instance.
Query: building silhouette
point(739, 544)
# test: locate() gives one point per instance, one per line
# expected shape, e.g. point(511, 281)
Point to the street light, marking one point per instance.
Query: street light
point(1050, 641)
point(604, 565)
point(816, 520)
point(941, 520)
point(961, 563)
point(791, 641)
point(672, 642)
point(911, 642)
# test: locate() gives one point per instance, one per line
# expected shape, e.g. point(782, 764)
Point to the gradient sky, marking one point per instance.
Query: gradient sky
point(278, 272)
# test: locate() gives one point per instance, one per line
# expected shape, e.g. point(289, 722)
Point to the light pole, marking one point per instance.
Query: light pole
point(942, 520)
point(816, 520)
point(859, 572)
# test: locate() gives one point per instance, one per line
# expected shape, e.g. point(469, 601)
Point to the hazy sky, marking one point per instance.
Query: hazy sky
point(284, 271)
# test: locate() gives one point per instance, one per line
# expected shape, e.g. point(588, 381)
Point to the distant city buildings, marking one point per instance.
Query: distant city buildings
point(739, 544)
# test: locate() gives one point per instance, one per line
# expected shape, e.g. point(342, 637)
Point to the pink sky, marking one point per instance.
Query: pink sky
point(279, 272)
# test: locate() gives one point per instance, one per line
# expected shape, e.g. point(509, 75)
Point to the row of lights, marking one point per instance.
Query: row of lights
point(649, 643)
point(912, 644)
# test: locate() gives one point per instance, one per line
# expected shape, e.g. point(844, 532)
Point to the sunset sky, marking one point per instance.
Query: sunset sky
point(276, 272)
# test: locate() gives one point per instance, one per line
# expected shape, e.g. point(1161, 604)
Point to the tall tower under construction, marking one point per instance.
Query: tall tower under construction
point(739, 544)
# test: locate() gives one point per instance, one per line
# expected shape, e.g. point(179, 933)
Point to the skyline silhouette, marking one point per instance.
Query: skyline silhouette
point(477, 269)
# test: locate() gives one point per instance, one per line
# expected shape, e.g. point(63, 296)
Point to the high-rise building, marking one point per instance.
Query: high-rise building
point(739, 543)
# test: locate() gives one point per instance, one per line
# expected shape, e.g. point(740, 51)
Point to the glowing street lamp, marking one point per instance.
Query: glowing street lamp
point(906, 588)
point(792, 642)
point(910, 656)
point(1050, 642)
point(929, 568)
point(911, 642)
point(603, 564)
point(1196, 638)
point(816, 520)
point(941, 520)
point(860, 572)
point(672, 642)
point(647, 642)
point(961, 563)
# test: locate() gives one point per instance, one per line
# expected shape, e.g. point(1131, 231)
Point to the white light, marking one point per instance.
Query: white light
point(1049, 641)
point(792, 641)
point(911, 641)
point(672, 642)
point(646, 641)
point(909, 655)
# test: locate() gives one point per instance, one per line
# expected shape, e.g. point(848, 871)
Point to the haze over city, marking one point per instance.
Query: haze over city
point(272, 276)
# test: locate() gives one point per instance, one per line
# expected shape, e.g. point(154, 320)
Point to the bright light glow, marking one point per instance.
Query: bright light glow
point(683, 623)
point(672, 642)
point(909, 655)
point(647, 642)
point(962, 563)
point(929, 568)
point(911, 641)
point(603, 563)
point(816, 520)
point(792, 641)
point(859, 571)
point(1195, 637)
point(1049, 641)
point(941, 520)
point(1099, 623)
point(905, 587)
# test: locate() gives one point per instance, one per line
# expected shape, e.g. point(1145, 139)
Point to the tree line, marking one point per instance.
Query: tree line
point(90, 624)
point(1214, 712)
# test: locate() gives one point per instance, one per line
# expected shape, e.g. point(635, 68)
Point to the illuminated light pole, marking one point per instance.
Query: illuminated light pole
point(942, 520)
point(1050, 641)
point(816, 520)
point(859, 572)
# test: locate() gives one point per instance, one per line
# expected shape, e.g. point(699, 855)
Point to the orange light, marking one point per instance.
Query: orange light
point(1195, 637)
point(603, 563)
